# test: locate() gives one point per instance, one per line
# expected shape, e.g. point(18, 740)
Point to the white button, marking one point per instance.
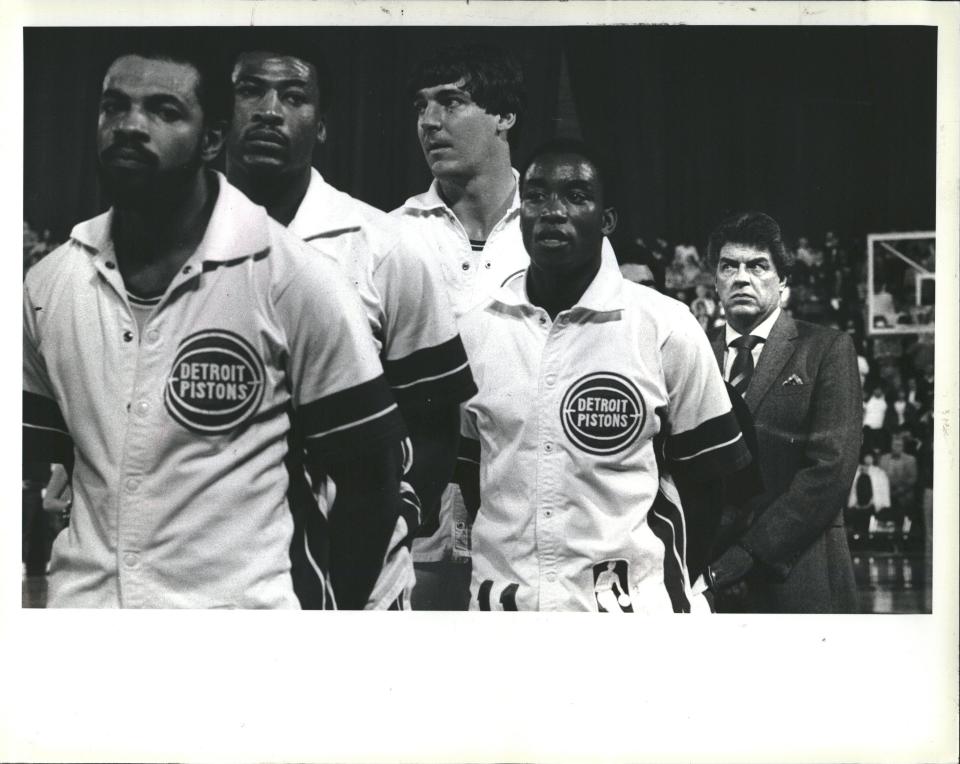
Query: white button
point(548, 447)
point(153, 335)
point(551, 378)
point(487, 265)
point(142, 407)
point(551, 576)
point(130, 559)
point(548, 513)
point(465, 266)
point(132, 484)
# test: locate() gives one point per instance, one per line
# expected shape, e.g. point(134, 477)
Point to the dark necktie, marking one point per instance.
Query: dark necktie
point(742, 369)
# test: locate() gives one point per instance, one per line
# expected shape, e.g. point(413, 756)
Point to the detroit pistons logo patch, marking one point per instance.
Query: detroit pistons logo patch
point(602, 413)
point(216, 382)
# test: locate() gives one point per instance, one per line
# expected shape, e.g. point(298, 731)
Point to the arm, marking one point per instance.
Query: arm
point(362, 519)
point(467, 474)
point(705, 450)
point(45, 435)
point(425, 364)
point(434, 434)
point(816, 493)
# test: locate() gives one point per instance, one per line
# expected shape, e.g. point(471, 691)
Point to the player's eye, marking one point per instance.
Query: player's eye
point(759, 268)
point(169, 113)
point(578, 197)
point(728, 269)
point(420, 106)
point(295, 97)
point(109, 108)
point(245, 90)
point(532, 195)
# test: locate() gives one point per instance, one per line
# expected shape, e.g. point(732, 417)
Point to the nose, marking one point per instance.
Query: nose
point(132, 123)
point(429, 118)
point(553, 209)
point(268, 109)
point(741, 276)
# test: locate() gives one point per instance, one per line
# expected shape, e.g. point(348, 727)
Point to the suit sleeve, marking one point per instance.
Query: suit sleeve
point(811, 502)
point(45, 434)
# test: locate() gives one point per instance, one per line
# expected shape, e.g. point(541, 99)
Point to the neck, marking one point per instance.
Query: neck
point(280, 195)
point(558, 291)
point(745, 326)
point(480, 201)
point(153, 242)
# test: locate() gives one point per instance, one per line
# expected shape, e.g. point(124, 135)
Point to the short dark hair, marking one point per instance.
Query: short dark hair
point(292, 48)
point(557, 146)
point(213, 91)
point(751, 229)
point(492, 76)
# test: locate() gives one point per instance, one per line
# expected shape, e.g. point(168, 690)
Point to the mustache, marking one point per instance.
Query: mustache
point(129, 147)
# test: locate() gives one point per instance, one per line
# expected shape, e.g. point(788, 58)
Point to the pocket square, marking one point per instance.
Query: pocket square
point(793, 379)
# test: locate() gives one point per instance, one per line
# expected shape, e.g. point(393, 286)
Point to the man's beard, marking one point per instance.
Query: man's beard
point(150, 189)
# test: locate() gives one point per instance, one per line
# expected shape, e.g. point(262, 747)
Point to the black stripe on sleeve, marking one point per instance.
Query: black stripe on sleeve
point(483, 595)
point(713, 448)
point(466, 473)
point(508, 597)
point(438, 373)
point(45, 434)
point(350, 420)
point(664, 520)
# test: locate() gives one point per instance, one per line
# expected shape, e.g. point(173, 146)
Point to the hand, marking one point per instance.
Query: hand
point(731, 566)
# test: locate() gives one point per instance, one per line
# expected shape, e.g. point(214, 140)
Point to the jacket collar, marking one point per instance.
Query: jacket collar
point(323, 211)
point(603, 298)
point(237, 228)
point(431, 201)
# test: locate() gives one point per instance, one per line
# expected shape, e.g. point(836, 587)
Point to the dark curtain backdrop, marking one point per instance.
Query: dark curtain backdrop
point(825, 128)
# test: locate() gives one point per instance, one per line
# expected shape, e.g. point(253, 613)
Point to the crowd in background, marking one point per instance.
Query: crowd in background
point(890, 502)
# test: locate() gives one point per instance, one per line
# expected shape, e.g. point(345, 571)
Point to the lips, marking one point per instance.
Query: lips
point(551, 237)
point(128, 156)
point(437, 146)
point(265, 137)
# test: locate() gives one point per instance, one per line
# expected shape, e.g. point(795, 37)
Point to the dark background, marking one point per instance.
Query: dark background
point(824, 128)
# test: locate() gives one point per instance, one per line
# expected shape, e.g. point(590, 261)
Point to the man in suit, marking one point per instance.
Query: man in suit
point(789, 551)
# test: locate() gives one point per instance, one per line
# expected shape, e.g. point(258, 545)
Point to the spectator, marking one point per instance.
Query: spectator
point(869, 495)
point(901, 469)
point(874, 412)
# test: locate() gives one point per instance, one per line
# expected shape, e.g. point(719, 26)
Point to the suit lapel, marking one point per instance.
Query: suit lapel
point(776, 352)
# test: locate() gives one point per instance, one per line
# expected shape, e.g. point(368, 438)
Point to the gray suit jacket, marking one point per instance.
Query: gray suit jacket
point(806, 402)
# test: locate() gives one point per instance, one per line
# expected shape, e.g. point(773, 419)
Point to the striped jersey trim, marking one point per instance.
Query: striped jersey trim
point(713, 448)
point(143, 302)
point(477, 245)
point(350, 420)
point(665, 519)
point(438, 373)
point(334, 233)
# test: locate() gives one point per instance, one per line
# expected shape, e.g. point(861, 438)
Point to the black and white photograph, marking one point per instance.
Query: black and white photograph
point(465, 307)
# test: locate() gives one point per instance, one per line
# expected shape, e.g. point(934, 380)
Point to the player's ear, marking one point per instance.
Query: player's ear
point(321, 130)
point(506, 121)
point(212, 140)
point(608, 222)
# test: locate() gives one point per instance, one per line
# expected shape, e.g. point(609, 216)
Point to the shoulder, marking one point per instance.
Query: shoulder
point(664, 316)
point(56, 268)
point(825, 338)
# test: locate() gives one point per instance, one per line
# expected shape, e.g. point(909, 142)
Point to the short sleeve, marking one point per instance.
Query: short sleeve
point(704, 439)
point(342, 403)
point(423, 355)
